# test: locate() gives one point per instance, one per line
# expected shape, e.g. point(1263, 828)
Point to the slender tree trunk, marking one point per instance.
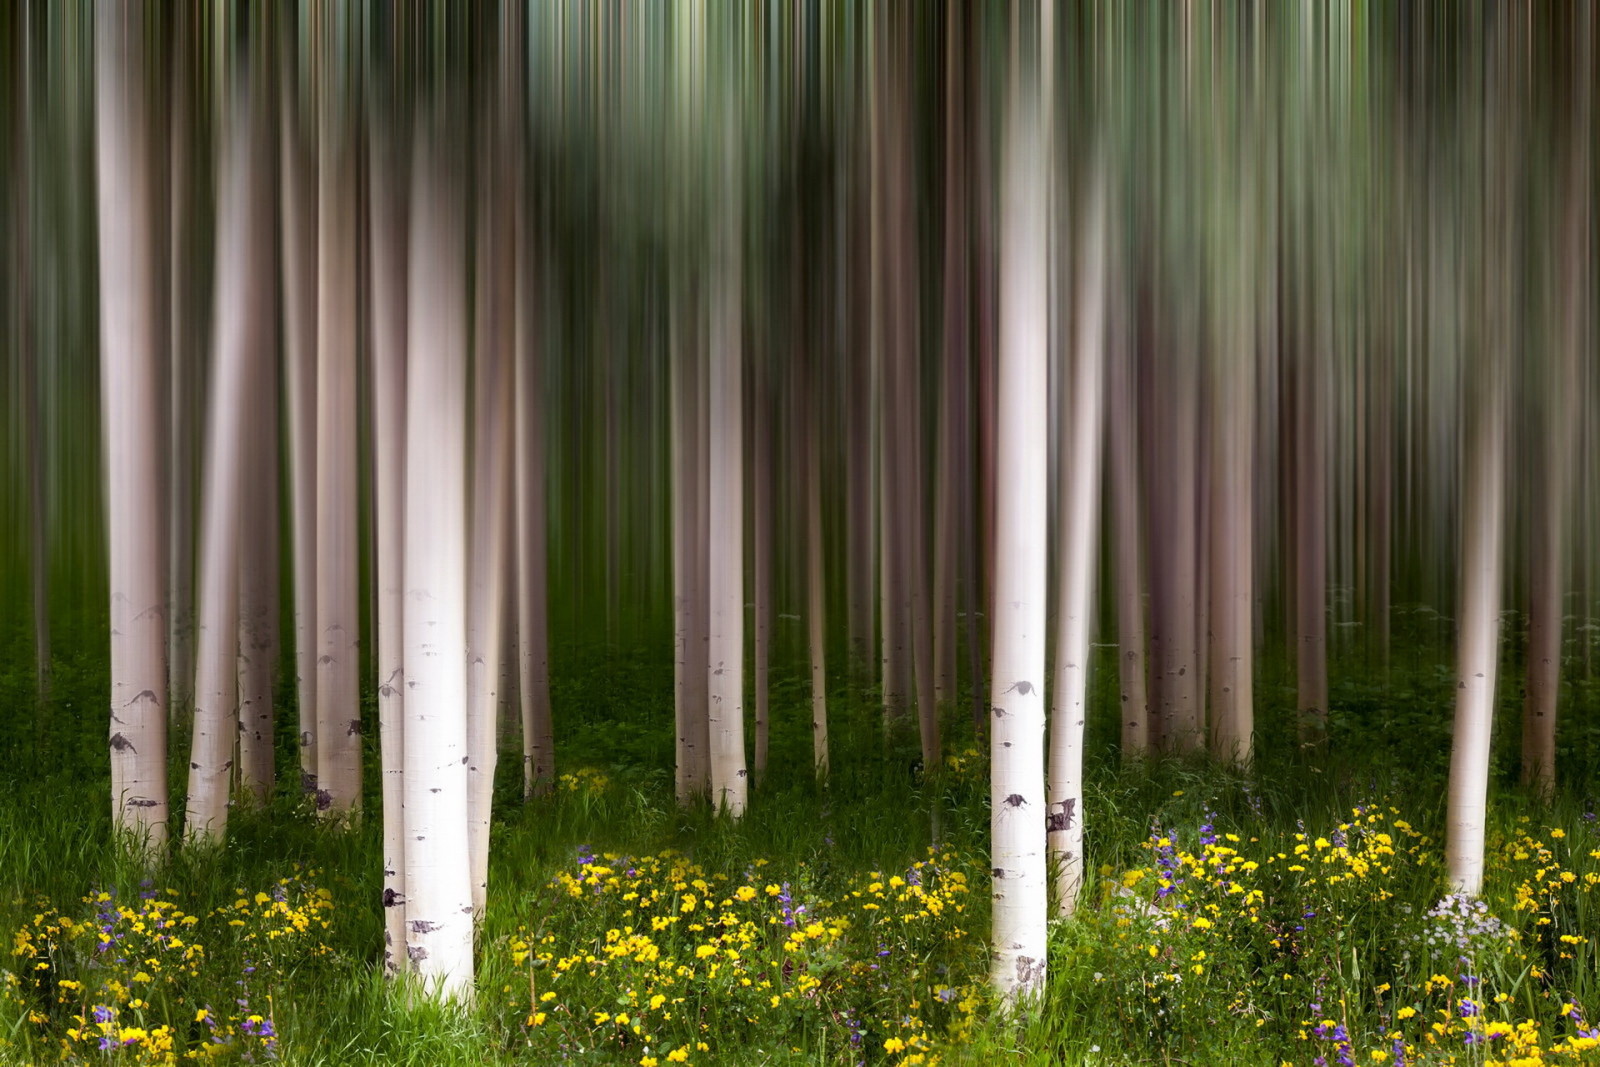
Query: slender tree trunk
point(29, 358)
point(258, 545)
point(338, 598)
point(187, 380)
point(389, 250)
point(533, 658)
point(132, 382)
point(688, 557)
point(1232, 554)
point(298, 185)
point(1483, 498)
point(1123, 475)
point(438, 880)
point(816, 600)
point(1548, 562)
point(1018, 952)
point(1079, 441)
point(491, 487)
point(1311, 546)
point(726, 500)
point(240, 345)
point(761, 434)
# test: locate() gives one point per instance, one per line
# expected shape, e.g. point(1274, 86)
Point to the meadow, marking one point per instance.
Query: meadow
point(1297, 913)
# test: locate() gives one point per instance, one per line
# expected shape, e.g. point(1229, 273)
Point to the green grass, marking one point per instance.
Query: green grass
point(892, 965)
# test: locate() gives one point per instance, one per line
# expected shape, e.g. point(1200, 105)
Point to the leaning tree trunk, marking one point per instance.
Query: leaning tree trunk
point(438, 880)
point(132, 383)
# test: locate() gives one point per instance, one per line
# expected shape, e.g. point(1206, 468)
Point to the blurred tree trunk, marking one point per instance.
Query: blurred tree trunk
point(1018, 953)
point(338, 561)
point(529, 487)
point(1548, 571)
point(389, 237)
point(438, 879)
point(132, 387)
point(493, 387)
point(725, 492)
point(1122, 473)
point(1078, 444)
point(298, 163)
point(242, 336)
point(692, 764)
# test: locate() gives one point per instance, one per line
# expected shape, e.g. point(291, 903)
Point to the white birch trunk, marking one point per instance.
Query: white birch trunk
point(258, 545)
point(438, 881)
point(1079, 439)
point(132, 380)
point(1483, 512)
point(240, 332)
point(338, 605)
point(1018, 942)
point(725, 538)
point(388, 249)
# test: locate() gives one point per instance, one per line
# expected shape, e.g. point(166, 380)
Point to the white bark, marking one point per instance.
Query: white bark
point(258, 546)
point(1478, 645)
point(1079, 468)
point(439, 916)
point(338, 605)
point(240, 328)
point(725, 538)
point(388, 248)
point(132, 381)
point(1018, 943)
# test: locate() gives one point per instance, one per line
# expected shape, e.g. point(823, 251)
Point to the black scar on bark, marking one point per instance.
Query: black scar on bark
point(354, 729)
point(417, 953)
point(391, 899)
point(122, 744)
point(1057, 821)
point(1015, 800)
point(423, 926)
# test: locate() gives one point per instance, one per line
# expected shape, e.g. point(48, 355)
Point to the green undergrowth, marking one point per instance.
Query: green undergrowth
point(1293, 912)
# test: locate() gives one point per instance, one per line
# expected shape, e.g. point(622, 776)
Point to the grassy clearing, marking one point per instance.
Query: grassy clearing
point(1291, 915)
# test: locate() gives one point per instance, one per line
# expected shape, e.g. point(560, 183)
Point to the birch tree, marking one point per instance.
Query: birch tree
point(1016, 783)
point(438, 880)
point(387, 200)
point(133, 410)
point(1079, 439)
point(338, 630)
point(241, 329)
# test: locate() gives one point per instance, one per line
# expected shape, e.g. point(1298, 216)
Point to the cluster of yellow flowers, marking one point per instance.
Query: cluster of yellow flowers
point(135, 978)
point(1281, 931)
point(657, 957)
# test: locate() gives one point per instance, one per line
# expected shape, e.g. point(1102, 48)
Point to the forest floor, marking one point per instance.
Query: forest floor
point(1297, 913)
